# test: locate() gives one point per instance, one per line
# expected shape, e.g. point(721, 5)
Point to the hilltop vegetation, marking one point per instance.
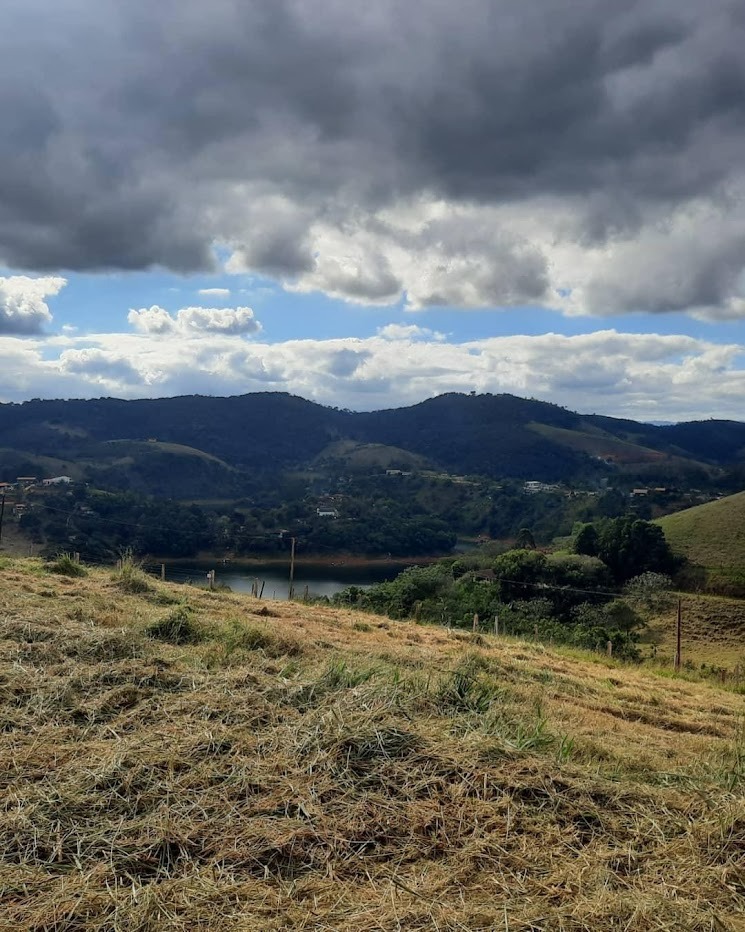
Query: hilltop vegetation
point(183, 759)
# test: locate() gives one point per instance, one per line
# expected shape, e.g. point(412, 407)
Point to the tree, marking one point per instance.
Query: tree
point(518, 572)
point(630, 546)
point(650, 590)
point(587, 541)
point(525, 539)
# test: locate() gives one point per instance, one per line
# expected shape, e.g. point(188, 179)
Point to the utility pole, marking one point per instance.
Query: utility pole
point(292, 566)
point(2, 513)
point(678, 631)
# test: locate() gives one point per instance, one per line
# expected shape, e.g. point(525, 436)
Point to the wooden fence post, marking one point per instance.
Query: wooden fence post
point(162, 572)
point(678, 635)
point(475, 623)
point(291, 592)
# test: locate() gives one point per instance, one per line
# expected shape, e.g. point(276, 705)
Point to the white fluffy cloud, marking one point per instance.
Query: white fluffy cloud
point(228, 321)
point(432, 253)
point(409, 332)
point(642, 376)
point(23, 307)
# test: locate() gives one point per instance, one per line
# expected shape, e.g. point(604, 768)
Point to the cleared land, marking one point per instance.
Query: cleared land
point(179, 759)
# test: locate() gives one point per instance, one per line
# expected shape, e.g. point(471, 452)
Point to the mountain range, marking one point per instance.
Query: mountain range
point(192, 441)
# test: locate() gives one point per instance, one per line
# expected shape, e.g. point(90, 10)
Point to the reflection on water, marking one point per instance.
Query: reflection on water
point(321, 579)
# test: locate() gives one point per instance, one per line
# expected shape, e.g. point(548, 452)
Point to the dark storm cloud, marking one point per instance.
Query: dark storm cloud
point(139, 134)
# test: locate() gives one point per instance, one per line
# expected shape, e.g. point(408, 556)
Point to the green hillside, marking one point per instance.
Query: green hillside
point(352, 456)
point(159, 468)
point(138, 448)
point(712, 536)
point(15, 463)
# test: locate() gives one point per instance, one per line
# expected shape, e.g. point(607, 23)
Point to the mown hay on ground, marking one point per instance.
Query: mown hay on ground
point(306, 774)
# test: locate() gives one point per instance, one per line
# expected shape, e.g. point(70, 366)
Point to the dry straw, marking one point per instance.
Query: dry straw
point(174, 759)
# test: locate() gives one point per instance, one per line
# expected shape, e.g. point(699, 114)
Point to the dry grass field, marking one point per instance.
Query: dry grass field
point(713, 632)
point(178, 759)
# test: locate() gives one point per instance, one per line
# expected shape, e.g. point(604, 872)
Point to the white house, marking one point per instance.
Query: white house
point(533, 486)
point(58, 480)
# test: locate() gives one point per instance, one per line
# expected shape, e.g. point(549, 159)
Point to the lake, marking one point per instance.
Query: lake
point(321, 579)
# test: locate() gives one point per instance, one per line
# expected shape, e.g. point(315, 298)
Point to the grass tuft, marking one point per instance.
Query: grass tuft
point(178, 627)
point(65, 564)
point(464, 692)
point(238, 636)
point(130, 577)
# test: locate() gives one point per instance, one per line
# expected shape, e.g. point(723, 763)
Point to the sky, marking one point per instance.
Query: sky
point(369, 204)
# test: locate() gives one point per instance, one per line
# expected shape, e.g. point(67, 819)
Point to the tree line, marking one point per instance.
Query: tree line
point(574, 597)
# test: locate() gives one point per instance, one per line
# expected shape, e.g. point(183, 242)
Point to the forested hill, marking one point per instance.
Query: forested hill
point(266, 429)
point(493, 435)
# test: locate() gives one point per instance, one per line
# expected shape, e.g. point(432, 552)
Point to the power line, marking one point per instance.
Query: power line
point(542, 585)
point(106, 520)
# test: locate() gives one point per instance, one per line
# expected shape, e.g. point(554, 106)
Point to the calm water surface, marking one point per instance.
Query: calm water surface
point(321, 579)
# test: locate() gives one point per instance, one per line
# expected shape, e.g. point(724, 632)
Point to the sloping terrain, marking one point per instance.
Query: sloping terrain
point(15, 463)
point(158, 468)
point(712, 534)
point(351, 456)
point(179, 759)
point(601, 444)
point(713, 632)
point(712, 537)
